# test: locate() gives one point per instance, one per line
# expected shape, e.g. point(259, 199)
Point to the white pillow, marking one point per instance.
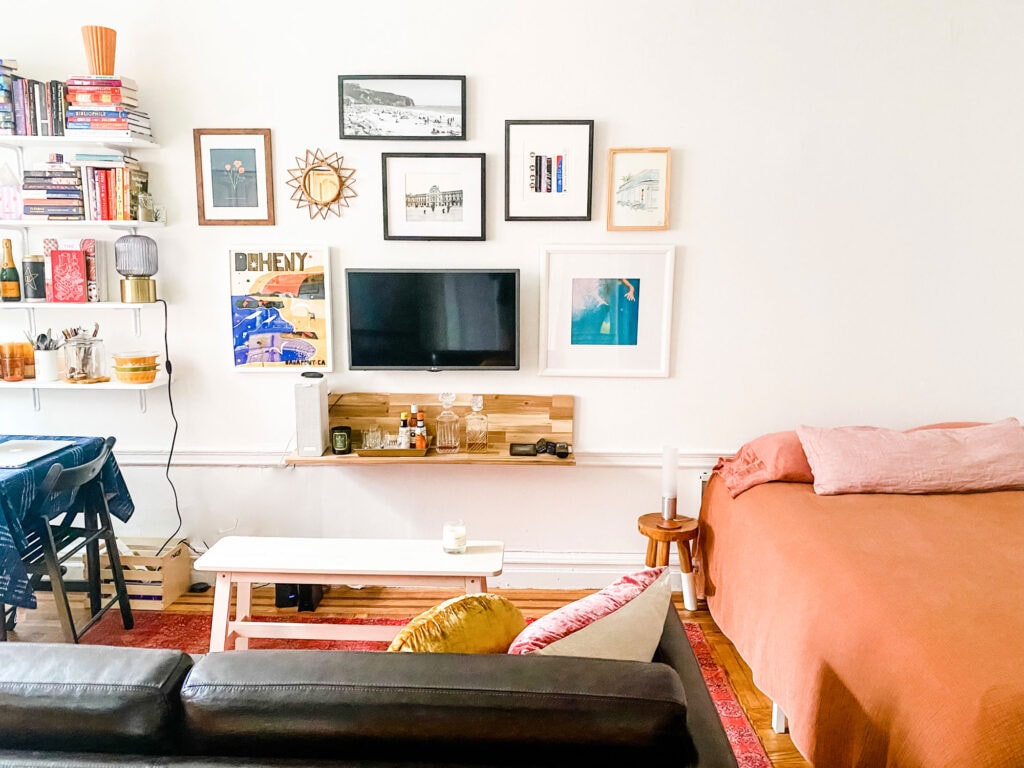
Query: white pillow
point(623, 621)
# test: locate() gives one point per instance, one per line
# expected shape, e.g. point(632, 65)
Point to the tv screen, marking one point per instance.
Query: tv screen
point(433, 319)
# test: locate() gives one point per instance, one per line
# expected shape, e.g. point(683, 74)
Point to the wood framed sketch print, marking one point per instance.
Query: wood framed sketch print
point(234, 176)
point(606, 310)
point(402, 107)
point(281, 308)
point(638, 188)
point(548, 170)
point(434, 196)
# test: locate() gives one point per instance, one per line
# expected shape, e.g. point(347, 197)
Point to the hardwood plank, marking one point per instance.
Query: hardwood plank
point(41, 625)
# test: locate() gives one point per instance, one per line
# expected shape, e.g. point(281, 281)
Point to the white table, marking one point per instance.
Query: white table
point(243, 560)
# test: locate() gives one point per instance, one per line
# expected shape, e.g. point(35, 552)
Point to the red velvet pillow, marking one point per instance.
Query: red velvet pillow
point(775, 456)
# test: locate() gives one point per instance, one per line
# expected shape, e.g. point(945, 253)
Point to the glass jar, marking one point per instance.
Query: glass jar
point(453, 537)
point(85, 359)
point(447, 425)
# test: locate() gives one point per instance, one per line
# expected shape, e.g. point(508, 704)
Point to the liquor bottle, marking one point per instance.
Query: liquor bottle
point(447, 425)
point(10, 284)
point(420, 440)
point(403, 431)
point(476, 426)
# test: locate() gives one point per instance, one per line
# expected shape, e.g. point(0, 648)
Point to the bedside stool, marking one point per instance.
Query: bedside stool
point(659, 542)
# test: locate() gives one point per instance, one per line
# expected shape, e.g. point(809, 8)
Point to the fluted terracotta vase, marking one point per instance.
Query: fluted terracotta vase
point(100, 46)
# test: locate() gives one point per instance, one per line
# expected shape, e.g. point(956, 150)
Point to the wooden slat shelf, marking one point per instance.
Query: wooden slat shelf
point(511, 419)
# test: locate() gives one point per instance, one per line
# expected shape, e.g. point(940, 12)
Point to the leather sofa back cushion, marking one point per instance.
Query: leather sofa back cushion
point(408, 706)
point(89, 697)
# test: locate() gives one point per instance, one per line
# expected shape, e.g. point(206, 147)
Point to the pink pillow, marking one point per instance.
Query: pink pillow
point(775, 456)
point(938, 460)
point(623, 621)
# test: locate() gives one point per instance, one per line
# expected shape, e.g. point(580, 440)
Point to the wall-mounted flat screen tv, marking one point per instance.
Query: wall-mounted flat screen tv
point(433, 319)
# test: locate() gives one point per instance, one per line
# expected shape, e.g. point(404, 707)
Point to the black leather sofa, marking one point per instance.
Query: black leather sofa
point(91, 706)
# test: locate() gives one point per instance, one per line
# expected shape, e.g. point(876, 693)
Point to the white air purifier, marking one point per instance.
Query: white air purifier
point(312, 421)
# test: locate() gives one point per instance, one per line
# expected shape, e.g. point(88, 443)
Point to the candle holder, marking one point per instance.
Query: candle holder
point(668, 514)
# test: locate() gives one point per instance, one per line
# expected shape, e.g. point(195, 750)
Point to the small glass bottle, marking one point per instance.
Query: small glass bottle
point(403, 431)
point(419, 439)
point(476, 426)
point(447, 425)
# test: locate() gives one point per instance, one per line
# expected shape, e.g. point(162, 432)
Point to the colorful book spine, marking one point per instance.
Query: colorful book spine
point(119, 188)
point(106, 81)
point(101, 187)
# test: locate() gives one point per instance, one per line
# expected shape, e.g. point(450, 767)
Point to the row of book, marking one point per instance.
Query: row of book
point(84, 106)
point(91, 187)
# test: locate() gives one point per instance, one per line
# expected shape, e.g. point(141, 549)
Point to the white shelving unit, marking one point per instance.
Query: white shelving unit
point(19, 144)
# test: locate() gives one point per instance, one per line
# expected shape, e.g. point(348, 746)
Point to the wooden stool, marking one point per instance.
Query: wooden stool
point(659, 542)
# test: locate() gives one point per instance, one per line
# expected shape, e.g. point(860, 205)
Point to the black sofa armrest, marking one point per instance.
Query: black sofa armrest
point(475, 709)
point(89, 697)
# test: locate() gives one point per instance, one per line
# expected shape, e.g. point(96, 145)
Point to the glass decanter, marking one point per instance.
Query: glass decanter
point(476, 426)
point(447, 425)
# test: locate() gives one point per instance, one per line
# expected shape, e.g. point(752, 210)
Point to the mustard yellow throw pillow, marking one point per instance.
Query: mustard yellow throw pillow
point(480, 623)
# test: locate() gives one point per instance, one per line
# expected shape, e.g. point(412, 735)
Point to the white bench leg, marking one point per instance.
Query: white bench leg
point(778, 719)
point(221, 607)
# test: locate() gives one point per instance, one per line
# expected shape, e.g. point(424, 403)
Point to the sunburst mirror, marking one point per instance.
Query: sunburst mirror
point(321, 183)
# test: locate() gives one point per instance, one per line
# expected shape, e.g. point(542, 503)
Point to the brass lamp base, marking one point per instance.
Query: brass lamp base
point(138, 290)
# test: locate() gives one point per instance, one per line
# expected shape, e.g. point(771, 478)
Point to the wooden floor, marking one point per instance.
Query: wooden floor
point(41, 625)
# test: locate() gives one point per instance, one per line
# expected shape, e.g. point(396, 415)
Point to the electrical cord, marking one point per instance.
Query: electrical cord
point(174, 435)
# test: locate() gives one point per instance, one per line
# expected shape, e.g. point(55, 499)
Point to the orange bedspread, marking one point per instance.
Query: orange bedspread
point(889, 628)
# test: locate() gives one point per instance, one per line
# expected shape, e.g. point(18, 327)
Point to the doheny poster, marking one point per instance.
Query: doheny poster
point(280, 309)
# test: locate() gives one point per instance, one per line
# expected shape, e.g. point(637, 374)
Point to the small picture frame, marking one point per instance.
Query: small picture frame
point(234, 176)
point(606, 310)
point(638, 189)
point(548, 170)
point(434, 196)
point(402, 107)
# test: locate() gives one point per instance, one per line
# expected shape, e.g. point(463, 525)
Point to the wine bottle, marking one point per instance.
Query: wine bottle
point(10, 283)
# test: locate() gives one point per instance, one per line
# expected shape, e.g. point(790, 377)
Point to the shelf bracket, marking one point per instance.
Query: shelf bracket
point(36, 405)
point(137, 321)
point(142, 401)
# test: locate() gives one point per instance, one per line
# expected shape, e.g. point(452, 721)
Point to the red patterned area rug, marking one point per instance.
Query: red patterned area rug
point(741, 734)
point(191, 633)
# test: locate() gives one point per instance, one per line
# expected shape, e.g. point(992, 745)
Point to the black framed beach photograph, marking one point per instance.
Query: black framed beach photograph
point(434, 196)
point(606, 310)
point(638, 189)
point(402, 107)
point(234, 170)
point(548, 170)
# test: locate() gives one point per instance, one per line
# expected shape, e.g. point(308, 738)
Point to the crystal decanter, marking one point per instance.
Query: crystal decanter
point(447, 425)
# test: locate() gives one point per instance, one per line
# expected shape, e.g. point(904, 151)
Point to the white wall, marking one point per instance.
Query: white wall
point(846, 192)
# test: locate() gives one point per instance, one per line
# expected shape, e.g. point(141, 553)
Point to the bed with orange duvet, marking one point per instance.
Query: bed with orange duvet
point(888, 627)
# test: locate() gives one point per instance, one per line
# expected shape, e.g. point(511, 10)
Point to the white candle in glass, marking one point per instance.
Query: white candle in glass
point(669, 470)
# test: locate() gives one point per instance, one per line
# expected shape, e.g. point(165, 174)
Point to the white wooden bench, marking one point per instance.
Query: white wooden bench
point(244, 560)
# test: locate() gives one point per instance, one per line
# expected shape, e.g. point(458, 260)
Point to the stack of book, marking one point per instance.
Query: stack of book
point(36, 106)
point(53, 191)
point(112, 182)
point(7, 70)
point(105, 106)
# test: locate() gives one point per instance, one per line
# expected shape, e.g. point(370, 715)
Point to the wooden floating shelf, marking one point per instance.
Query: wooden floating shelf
point(511, 419)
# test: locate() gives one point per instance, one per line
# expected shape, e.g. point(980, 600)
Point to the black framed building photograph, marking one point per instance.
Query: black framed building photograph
point(548, 170)
point(402, 107)
point(434, 196)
